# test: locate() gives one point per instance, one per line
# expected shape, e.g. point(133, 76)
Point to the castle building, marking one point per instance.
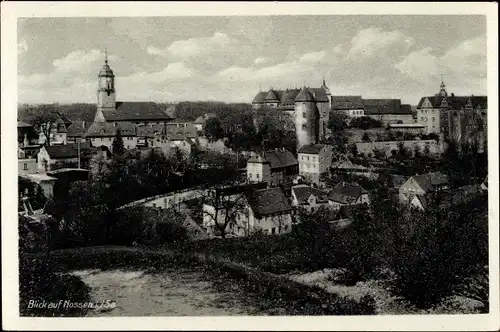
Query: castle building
point(309, 108)
point(459, 118)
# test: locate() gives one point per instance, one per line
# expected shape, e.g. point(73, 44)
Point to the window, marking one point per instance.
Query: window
point(422, 119)
point(257, 175)
point(250, 175)
point(304, 115)
point(433, 119)
point(304, 126)
point(25, 166)
point(307, 158)
point(273, 230)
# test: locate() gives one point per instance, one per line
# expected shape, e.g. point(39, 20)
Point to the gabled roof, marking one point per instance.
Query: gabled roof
point(347, 164)
point(265, 202)
point(280, 158)
point(66, 151)
point(258, 159)
point(429, 181)
point(311, 148)
point(203, 118)
point(77, 129)
point(455, 102)
point(303, 192)
point(347, 102)
point(104, 129)
point(272, 96)
point(346, 193)
point(304, 95)
point(136, 111)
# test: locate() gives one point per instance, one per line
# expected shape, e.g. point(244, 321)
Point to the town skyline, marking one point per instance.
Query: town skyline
point(229, 59)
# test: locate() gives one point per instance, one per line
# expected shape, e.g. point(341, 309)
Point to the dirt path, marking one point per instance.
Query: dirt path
point(178, 292)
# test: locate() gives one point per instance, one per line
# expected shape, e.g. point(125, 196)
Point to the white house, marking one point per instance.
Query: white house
point(345, 194)
point(415, 190)
point(265, 210)
point(309, 198)
point(314, 160)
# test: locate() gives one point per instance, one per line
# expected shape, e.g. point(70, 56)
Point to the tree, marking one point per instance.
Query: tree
point(337, 121)
point(213, 130)
point(222, 208)
point(366, 137)
point(315, 233)
point(365, 122)
point(118, 146)
point(44, 119)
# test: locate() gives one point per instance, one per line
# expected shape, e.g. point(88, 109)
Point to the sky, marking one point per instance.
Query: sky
point(231, 58)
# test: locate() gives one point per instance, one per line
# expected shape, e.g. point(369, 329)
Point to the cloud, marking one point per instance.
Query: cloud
point(462, 63)
point(313, 57)
point(195, 47)
point(78, 60)
point(173, 71)
point(261, 60)
point(22, 47)
point(375, 41)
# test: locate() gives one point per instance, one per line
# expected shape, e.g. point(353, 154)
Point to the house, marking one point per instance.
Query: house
point(27, 139)
point(250, 208)
point(46, 182)
point(50, 156)
point(309, 198)
point(352, 106)
point(199, 123)
point(415, 190)
point(180, 127)
point(185, 144)
point(103, 134)
point(76, 131)
point(348, 194)
point(58, 130)
point(347, 166)
point(314, 160)
point(274, 167)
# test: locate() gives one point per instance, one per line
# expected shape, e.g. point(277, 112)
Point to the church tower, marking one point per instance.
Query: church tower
point(106, 94)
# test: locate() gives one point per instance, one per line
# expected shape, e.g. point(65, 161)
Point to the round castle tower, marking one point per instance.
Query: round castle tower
point(306, 118)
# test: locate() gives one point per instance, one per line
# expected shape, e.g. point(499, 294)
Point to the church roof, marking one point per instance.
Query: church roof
point(136, 111)
point(106, 71)
point(104, 129)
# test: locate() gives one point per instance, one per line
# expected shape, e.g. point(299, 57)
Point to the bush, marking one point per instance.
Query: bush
point(39, 283)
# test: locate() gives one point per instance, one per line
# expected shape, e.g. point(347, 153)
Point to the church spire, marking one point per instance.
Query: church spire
point(105, 54)
point(442, 91)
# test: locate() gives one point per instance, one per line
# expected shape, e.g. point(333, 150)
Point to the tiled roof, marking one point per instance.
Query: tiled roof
point(347, 102)
point(104, 129)
point(265, 202)
point(66, 151)
point(456, 102)
point(385, 106)
point(202, 119)
point(304, 95)
point(260, 98)
point(303, 192)
point(77, 129)
point(280, 158)
point(429, 181)
point(311, 148)
point(346, 193)
point(137, 111)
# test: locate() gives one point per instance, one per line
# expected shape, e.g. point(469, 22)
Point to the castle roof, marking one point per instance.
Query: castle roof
point(385, 106)
point(304, 95)
point(260, 98)
point(455, 102)
point(347, 102)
